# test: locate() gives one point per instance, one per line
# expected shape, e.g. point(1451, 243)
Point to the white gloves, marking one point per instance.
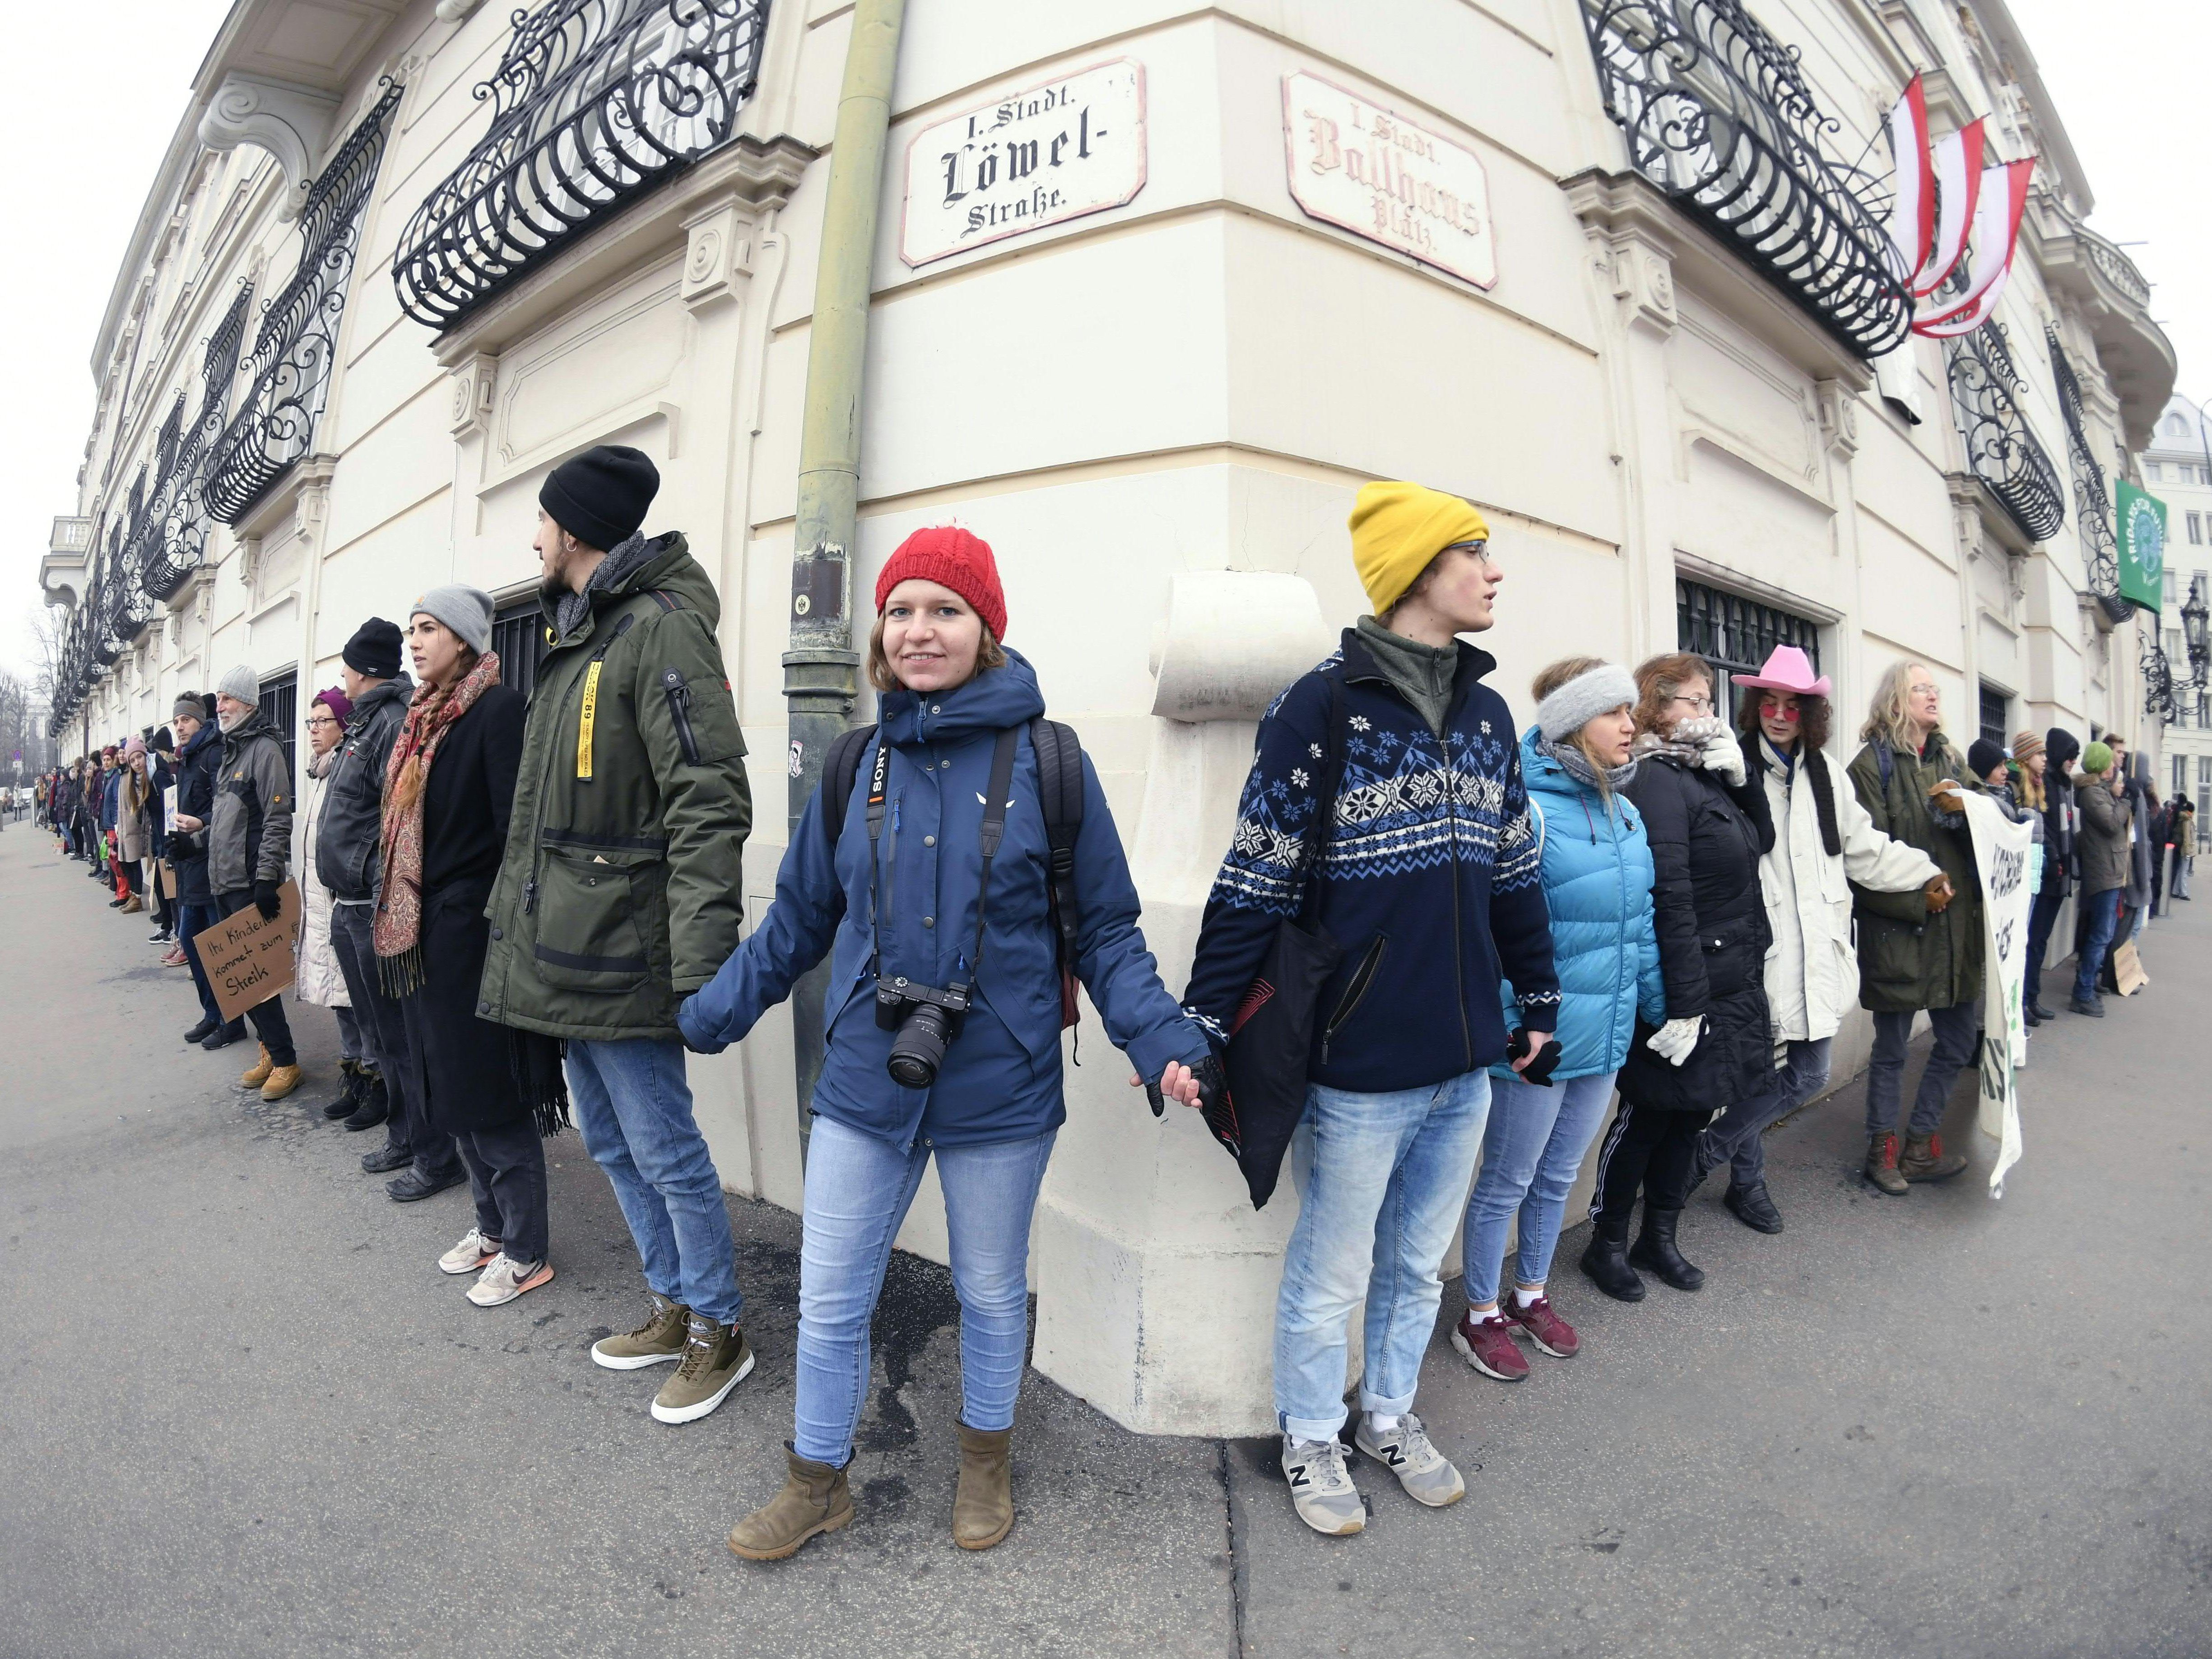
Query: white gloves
point(1673, 1041)
point(1724, 759)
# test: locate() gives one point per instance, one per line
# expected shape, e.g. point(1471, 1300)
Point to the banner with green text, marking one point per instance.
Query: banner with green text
point(2142, 546)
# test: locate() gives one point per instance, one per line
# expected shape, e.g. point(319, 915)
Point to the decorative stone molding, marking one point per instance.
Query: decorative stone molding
point(292, 123)
point(1838, 407)
point(457, 11)
point(717, 254)
point(476, 381)
point(304, 496)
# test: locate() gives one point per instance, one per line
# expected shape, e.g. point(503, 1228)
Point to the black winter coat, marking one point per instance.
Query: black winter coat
point(347, 839)
point(459, 1063)
point(1706, 841)
point(199, 763)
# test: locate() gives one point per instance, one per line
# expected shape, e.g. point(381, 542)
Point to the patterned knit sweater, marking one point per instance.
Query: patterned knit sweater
point(1429, 878)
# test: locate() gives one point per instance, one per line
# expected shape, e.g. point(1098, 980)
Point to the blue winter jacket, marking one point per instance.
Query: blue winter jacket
point(111, 798)
point(1597, 885)
point(1001, 1080)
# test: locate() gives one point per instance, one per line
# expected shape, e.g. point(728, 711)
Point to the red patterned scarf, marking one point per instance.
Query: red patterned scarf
point(399, 932)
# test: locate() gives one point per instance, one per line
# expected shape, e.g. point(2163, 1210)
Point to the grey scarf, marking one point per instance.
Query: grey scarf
point(622, 563)
point(1577, 765)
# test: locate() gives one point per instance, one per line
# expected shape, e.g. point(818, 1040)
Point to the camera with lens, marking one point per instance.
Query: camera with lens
point(927, 1020)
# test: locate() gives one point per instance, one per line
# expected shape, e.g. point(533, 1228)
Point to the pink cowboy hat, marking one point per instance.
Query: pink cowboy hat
point(1786, 669)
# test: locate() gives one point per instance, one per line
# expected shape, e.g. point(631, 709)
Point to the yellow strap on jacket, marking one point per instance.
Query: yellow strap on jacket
point(584, 724)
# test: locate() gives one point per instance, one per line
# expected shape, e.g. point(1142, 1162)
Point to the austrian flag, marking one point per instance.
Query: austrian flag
point(1948, 200)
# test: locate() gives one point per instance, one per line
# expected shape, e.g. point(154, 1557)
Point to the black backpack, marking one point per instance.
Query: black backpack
point(1059, 792)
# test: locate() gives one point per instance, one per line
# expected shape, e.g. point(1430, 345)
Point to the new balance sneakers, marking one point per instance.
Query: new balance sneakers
point(1404, 1449)
point(1321, 1487)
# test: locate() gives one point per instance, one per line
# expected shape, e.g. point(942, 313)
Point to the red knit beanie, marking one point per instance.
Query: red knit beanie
point(950, 557)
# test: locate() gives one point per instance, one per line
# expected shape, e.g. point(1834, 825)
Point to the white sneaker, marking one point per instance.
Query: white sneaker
point(470, 1255)
point(1426, 1473)
point(506, 1279)
point(1321, 1489)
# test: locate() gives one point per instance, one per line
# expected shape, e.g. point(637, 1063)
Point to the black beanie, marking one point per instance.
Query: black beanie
point(2063, 746)
point(600, 496)
point(1983, 757)
point(374, 650)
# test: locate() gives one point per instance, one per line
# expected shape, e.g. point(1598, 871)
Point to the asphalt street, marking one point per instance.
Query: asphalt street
point(248, 1416)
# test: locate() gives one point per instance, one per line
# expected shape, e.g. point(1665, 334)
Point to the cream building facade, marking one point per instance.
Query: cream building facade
point(1154, 288)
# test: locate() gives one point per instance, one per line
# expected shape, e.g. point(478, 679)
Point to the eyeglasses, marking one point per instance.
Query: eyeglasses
point(314, 720)
point(1700, 702)
point(1480, 550)
point(1775, 711)
point(1924, 690)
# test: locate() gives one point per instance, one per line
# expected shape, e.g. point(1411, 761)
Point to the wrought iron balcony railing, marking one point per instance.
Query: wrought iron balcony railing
point(2092, 503)
point(178, 520)
point(1986, 388)
point(1718, 116)
point(291, 360)
point(595, 103)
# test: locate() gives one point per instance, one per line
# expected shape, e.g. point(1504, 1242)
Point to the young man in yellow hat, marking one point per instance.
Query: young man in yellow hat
point(1427, 875)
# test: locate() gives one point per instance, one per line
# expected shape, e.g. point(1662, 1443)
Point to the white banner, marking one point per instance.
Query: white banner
point(2002, 852)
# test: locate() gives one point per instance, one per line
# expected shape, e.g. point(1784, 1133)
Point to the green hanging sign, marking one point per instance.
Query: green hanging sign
point(2142, 546)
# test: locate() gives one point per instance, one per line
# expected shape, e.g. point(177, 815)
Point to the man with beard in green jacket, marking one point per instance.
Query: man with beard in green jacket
point(620, 892)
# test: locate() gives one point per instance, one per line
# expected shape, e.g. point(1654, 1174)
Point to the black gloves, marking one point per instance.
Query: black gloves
point(1538, 1070)
point(266, 901)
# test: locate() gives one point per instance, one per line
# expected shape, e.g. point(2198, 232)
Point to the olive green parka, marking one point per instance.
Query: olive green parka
point(1909, 959)
point(620, 892)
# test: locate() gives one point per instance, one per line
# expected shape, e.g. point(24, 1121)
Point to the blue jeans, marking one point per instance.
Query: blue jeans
point(1957, 1031)
point(1383, 1178)
point(192, 920)
point(2104, 914)
point(1531, 1151)
point(1738, 1136)
point(633, 1109)
point(857, 1190)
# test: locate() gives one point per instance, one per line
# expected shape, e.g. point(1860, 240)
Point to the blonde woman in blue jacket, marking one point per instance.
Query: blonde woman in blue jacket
point(1597, 878)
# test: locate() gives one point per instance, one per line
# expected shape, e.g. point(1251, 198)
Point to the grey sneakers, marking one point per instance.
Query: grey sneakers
point(471, 1256)
point(716, 1359)
point(1321, 1489)
point(1426, 1473)
point(504, 1278)
point(661, 1338)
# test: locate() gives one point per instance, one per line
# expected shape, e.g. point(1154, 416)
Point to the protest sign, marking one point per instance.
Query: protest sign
point(2001, 854)
point(249, 960)
point(169, 810)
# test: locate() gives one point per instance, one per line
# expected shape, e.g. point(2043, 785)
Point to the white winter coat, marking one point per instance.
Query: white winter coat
point(1812, 966)
point(319, 980)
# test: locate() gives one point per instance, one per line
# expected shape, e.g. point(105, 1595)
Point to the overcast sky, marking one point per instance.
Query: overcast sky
point(85, 138)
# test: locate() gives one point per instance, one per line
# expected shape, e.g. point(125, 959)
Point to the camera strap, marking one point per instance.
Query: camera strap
point(995, 802)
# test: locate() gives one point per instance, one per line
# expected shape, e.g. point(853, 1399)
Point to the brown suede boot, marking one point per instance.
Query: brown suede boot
point(258, 1073)
point(1881, 1165)
point(814, 1498)
point(983, 1502)
point(1925, 1159)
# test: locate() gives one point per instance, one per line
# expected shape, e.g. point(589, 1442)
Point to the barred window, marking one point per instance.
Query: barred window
point(1736, 635)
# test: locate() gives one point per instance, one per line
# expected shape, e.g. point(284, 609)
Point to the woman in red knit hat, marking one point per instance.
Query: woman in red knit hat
point(942, 1023)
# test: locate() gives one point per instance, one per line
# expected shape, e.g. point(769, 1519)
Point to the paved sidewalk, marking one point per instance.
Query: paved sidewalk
point(246, 1415)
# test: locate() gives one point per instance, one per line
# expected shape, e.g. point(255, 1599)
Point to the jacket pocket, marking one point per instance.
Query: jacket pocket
point(589, 897)
point(1355, 992)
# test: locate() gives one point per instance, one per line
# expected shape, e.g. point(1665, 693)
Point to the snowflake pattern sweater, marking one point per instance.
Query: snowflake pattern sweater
point(1429, 879)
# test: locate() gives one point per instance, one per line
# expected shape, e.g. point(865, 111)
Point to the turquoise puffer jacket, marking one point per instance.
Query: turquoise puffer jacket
point(1597, 882)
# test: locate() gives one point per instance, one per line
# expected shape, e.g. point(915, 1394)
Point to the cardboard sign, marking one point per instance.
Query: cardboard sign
point(2128, 970)
point(2001, 854)
point(248, 960)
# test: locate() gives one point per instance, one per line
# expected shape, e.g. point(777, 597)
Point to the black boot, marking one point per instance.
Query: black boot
point(1655, 1249)
point(204, 1031)
point(1605, 1261)
point(223, 1036)
point(375, 1104)
point(1752, 1207)
point(350, 1090)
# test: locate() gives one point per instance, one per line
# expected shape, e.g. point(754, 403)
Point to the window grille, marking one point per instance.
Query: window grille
point(1997, 715)
point(280, 701)
point(1736, 635)
point(517, 635)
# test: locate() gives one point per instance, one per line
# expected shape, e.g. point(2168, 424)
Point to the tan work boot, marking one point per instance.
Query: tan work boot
point(130, 905)
point(661, 1338)
point(983, 1501)
point(280, 1082)
point(715, 1360)
point(1925, 1159)
point(815, 1498)
point(1881, 1165)
point(258, 1073)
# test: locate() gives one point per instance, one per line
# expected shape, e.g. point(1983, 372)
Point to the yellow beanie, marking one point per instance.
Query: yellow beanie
point(1397, 528)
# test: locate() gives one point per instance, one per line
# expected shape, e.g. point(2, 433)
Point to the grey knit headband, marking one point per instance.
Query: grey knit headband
point(1584, 698)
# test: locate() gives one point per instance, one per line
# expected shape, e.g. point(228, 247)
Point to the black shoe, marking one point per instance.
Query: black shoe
point(2040, 1012)
point(1752, 1207)
point(1655, 1249)
point(223, 1036)
point(384, 1159)
point(414, 1185)
point(1606, 1265)
point(375, 1104)
point(2093, 1007)
point(204, 1031)
point(117, 903)
point(160, 936)
point(348, 1100)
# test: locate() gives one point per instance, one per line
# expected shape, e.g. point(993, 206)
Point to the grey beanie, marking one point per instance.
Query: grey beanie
point(1583, 699)
point(240, 684)
point(188, 702)
point(466, 609)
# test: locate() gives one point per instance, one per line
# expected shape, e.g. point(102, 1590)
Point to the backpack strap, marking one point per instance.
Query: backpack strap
point(1060, 792)
point(1324, 815)
point(841, 770)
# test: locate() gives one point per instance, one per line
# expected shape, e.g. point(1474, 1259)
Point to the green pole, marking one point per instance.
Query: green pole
point(820, 669)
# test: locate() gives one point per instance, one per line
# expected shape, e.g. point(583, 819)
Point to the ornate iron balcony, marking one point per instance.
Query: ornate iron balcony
point(291, 360)
point(177, 520)
point(595, 103)
point(1718, 115)
point(2092, 504)
point(2004, 452)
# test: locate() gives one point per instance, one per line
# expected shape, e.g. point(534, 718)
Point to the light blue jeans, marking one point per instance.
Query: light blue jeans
point(1531, 1152)
point(1382, 1178)
point(857, 1190)
point(633, 1109)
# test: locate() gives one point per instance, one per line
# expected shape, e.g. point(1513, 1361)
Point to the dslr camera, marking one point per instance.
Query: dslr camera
point(927, 1020)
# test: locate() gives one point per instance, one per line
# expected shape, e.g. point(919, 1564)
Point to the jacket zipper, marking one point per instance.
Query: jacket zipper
point(1459, 942)
point(679, 710)
point(1363, 977)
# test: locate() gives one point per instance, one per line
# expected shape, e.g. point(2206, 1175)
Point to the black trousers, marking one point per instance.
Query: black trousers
point(1649, 1151)
point(506, 1175)
point(267, 1018)
point(2041, 920)
point(383, 1030)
